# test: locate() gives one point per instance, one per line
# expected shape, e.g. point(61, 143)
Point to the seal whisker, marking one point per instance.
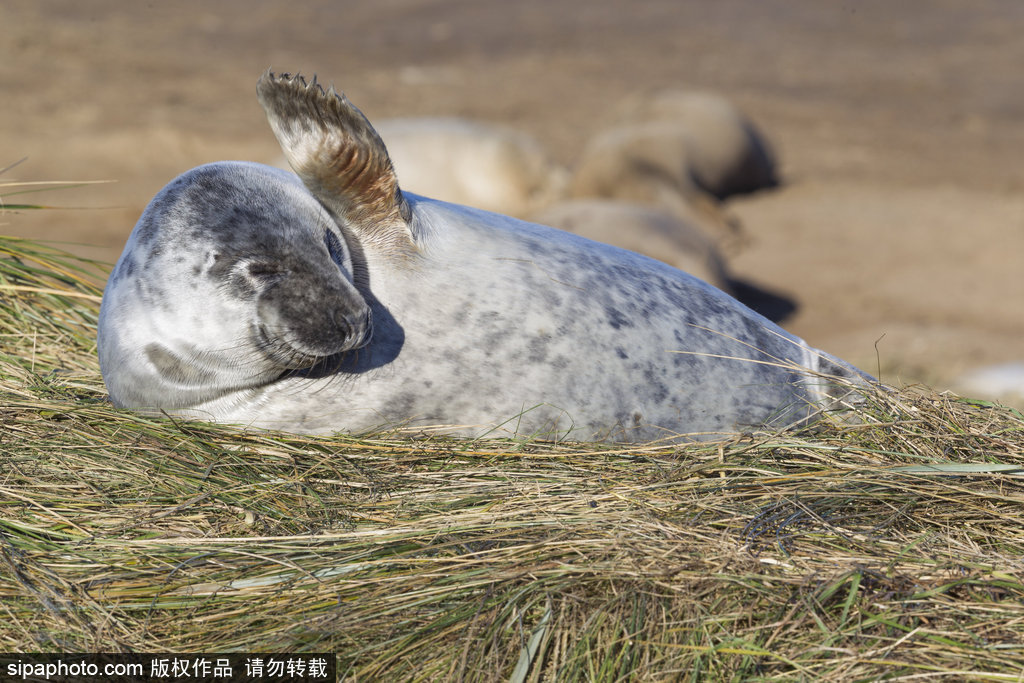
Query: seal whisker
point(784, 364)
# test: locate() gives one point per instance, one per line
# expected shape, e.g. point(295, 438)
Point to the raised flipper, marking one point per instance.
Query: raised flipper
point(340, 158)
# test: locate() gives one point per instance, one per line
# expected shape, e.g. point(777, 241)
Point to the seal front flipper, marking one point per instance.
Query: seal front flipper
point(340, 158)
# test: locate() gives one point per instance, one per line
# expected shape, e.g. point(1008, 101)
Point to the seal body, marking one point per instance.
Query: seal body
point(482, 325)
point(644, 229)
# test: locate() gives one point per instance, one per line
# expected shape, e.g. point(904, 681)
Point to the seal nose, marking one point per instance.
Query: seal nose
point(355, 327)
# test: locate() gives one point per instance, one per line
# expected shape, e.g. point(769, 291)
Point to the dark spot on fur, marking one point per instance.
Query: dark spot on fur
point(403, 406)
point(655, 385)
point(539, 349)
point(684, 360)
point(126, 268)
point(616, 318)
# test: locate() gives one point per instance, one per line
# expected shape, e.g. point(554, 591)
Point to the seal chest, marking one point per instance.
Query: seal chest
point(344, 304)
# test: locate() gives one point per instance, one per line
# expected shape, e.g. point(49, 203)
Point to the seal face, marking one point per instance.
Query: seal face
point(233, 275)
point(246, 295)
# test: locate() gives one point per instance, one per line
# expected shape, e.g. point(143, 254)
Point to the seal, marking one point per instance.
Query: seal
point(679, 151)
point(644, 163)
point(469, 162)
point(340, 303)
point(1002, 382)
point(726, 153)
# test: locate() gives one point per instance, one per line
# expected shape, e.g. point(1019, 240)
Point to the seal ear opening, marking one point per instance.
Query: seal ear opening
point(340, 158)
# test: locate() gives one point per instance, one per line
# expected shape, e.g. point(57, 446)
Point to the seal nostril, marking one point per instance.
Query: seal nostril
point(351, 328)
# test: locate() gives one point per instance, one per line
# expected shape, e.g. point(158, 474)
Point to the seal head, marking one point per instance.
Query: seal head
point(233, 276)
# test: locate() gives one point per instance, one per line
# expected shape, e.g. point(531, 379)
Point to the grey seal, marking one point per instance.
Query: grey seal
point(726, 153)
point(333, 301)
point(473, 163)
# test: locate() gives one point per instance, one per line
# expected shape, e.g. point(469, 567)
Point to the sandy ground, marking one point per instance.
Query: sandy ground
point(899, 231)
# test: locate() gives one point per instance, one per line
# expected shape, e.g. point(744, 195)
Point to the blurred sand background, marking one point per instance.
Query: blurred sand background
point(898, 231)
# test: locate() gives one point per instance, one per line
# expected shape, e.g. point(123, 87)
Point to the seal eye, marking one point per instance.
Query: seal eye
point(264, 272)
point(337, 251)
point(256, 276)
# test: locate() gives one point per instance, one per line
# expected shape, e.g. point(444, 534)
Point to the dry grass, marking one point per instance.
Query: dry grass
point(891, 549)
